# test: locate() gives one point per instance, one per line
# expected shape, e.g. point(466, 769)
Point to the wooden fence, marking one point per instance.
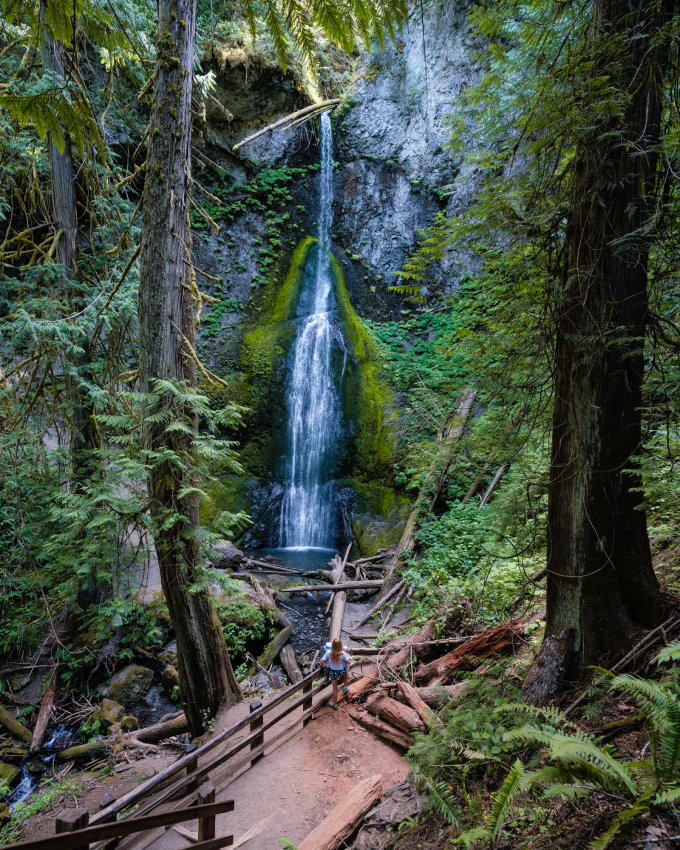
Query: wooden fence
point(104, 830)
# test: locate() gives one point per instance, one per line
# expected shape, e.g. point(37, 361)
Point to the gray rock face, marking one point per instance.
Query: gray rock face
point(395, 169)
point(128, 685)
point(228, 557)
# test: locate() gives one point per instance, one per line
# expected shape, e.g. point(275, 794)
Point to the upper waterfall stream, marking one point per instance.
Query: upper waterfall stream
point(312, 391)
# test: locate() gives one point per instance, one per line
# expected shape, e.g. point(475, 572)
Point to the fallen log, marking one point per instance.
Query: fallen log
point(349, 585)
point(397, 587)
point(379, 557)
point(379, 727)
point(12, 725)
point(322, 106)
point(161, 731)
point(269, 655)
point(416, 702)
point(396, 713)
point(442, 695)
point(447, 439)
point(337, 577)
point(150, 735)
point(498, 640)
point(290, 663)
point(45, 710)
point(340, 824)
point(363, 685)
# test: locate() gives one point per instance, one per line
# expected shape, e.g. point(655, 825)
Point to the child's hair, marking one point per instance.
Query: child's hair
point(336, 650)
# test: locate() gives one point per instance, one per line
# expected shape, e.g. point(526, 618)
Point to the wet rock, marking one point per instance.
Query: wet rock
point(36, 768)
point(169, 655)
point(106, 714)
point(9, 775)
point(129, 684)
point(128, 723)
point(170, 679)
point(227, 556)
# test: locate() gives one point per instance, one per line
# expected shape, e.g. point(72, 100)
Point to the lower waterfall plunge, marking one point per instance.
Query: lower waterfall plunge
point(312, 395)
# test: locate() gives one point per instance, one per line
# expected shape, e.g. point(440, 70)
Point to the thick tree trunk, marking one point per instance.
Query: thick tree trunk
point(207, 681)
point(600, 576)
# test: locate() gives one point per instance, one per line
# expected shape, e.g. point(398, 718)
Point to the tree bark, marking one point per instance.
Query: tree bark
point(43, 720)
point(207, 681)
point(600, 576)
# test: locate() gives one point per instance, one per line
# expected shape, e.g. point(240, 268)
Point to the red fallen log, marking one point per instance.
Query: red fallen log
point(399, 715)
point(363, 685)
point(496, 641)
point(379, 727)
point(337, 827)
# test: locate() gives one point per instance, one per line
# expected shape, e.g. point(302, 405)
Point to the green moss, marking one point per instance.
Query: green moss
point(367, 401)
point(262, 345)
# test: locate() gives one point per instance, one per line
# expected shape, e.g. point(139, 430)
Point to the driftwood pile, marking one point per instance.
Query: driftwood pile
point(410, 680)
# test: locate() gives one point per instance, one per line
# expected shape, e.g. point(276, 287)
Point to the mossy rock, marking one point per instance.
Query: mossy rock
point(9, 775)
point(170, 679)
point(372, 534)
point(107, 713)
point(128, 685)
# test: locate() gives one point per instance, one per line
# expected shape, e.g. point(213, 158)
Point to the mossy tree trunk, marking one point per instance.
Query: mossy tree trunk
point(207, 681)
point(600, 576)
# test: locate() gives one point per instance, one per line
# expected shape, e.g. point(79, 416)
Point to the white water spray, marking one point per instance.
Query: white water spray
point(307, 512)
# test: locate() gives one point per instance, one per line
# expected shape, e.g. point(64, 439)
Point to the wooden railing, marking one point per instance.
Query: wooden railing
point(98, 831)
point(72, 829)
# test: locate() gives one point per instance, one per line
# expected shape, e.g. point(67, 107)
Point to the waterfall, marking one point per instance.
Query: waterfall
point(312, 398)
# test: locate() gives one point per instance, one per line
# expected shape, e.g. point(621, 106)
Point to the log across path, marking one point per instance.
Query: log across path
point(348, 585)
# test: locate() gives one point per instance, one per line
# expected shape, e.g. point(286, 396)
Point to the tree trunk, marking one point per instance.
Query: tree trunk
point(207, 682)
point(600, 576)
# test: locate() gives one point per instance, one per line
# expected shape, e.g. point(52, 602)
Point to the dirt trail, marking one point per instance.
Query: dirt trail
point(300, 780)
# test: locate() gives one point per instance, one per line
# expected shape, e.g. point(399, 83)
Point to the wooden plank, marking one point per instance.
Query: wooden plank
point(143, 790)
point(121, 827)
point(338, 826)
point(350, 585)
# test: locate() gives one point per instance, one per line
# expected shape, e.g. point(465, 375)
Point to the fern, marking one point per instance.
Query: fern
point(670, 652)
point(510, 788)
point(286, 843)
point(440, 794)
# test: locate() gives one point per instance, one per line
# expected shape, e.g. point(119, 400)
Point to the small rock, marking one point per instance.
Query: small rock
point(36, 768)
point(129, 684)
point(107, 714)
point(227, 556)
point(169, 655)
point(128, 723)
point(170, 678)
point(9, 775)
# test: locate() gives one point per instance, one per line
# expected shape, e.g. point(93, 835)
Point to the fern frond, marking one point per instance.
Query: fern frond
point(669, 653)
point(624, 817)
point(510, 788)
point(441, 801)
point(668, 795)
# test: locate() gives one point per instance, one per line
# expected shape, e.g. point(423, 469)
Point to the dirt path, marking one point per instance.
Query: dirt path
point(299, 781)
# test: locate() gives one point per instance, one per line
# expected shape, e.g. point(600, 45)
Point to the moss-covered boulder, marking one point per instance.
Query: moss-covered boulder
point(9, 775)
point(106, 714)
point(129, 684)
point(225, 556)
point(170, 679)
point(129, 723)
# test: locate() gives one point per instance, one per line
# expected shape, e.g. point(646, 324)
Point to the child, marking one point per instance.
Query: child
point(338, 668)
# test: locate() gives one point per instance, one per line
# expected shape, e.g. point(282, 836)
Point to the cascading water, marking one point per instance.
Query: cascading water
point(313, 403)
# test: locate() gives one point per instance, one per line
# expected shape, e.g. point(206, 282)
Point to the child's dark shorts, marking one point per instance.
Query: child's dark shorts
point(332, 675)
